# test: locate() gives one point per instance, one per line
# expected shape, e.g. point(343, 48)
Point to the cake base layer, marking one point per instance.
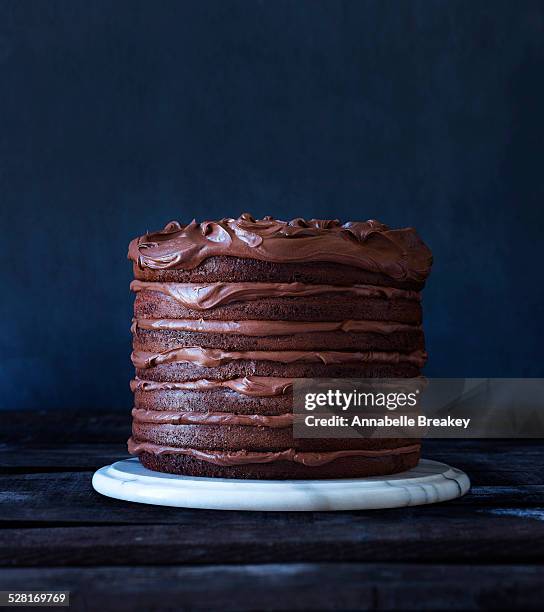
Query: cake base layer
point(343, 467)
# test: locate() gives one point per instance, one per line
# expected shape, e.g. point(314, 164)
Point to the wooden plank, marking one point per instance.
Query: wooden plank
point(490, 523)
point(289, 587)
point(229, 537)
point(68, 496)
point(488, 462)
point(15, 458)
point(56, 427)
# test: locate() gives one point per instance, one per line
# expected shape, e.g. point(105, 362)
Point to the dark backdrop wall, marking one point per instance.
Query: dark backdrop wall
point(120, 116)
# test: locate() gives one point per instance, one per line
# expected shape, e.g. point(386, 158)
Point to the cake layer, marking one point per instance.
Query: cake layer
point(158, 397)
point(404, 339)
point(233, 269)
point(252, 386)
point(270, 328)
point(326, 307)
point(180, 372)
point(220, 400)
point(233, 437)
point(258, 396)
point(267, 246)
point(202, 296)
point(251, 438)
point(185, 417)
point(215, 357)
point(346, 466)
point(164, 442)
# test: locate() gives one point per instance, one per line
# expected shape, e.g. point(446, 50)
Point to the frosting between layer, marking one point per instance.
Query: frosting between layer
point(216, 357)
point(171, 417)
point(270, 328)
point(231, 458)
point(254, 386)
point(370, 245)
point(204, 296)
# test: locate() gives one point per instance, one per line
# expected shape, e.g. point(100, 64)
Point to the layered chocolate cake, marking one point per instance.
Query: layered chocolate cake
point(228, 313)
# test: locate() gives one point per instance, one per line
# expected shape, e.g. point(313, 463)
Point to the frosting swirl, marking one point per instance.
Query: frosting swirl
point(211, 358)
point(370, 245)
point(200, 296)
point(242, 457)
point(257, 328)
point(171, 417)
point(252, 386)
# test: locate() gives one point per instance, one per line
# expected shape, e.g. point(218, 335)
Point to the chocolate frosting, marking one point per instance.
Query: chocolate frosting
point(370, 245)
point(204, 296)
point(215, 357)
point(254, 386)
point(172, 417)
point(270, 328)
point(229, 458)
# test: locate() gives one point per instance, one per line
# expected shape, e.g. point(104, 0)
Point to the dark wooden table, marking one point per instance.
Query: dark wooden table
point(483, 551)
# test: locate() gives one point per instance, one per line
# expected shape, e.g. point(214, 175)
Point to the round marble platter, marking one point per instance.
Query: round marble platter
point(428, 483)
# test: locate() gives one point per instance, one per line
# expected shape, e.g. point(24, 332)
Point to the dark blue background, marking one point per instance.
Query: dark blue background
point(119, 116)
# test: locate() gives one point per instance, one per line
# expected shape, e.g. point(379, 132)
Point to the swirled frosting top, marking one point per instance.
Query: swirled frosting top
point(370, 245)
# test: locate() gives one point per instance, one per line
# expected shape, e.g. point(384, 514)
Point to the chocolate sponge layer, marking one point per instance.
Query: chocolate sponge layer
point(344, 467)
point(220, 400)
point(189, 371)
point(251, 438)
point(236, 270)
point(160, 340)
point(325, 307)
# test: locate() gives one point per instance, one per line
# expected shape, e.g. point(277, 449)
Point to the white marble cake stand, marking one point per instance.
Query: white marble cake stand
point(428, 483)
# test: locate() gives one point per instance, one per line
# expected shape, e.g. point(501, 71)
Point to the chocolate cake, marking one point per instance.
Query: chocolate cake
point(228, 313)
